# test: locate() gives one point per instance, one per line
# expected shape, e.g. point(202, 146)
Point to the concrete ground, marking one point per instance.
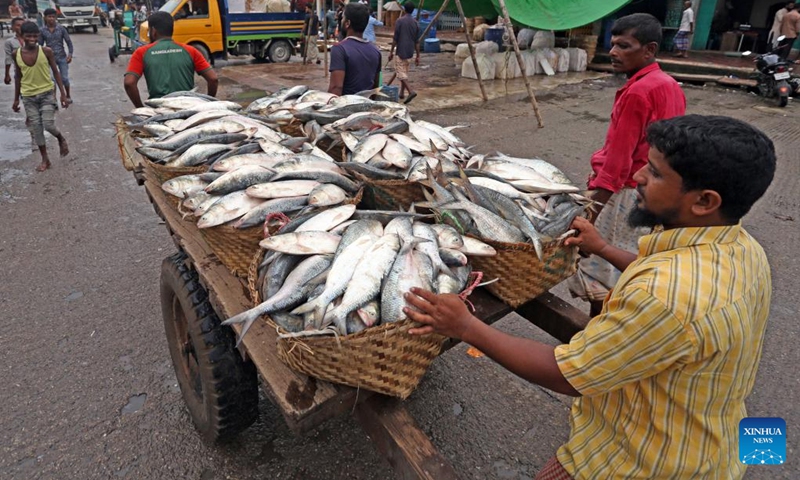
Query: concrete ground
point(88, 387)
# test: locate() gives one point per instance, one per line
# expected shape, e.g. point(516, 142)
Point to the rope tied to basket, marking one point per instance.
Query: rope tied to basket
point(283, 220)
point(478, 276)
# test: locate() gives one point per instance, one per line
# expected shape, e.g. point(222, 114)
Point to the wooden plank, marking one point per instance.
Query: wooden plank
point(396, 435)
point(554, 316)
point(305, 402)
point(487, 307)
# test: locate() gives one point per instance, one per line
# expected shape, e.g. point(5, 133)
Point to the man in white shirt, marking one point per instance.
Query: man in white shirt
point(681, 40)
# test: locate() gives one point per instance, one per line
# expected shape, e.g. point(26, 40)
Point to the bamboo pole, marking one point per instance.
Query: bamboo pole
point(510, 29)
point(419, 8)
point(472, 51)
point(325, 42)
point(424, 34)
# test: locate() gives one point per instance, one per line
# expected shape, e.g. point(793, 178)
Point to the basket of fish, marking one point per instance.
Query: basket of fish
point(523, 208)
point(377, 141)
point(333, 288)
point(235, 200)
point(186, 132)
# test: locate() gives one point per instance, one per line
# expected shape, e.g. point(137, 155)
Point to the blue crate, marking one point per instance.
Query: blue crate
point(391, 91)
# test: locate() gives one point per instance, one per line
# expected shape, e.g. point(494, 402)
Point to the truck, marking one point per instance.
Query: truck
point(77, 14)
point(216, 31)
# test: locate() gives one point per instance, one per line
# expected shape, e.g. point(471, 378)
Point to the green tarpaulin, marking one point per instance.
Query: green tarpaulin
point(543, 14)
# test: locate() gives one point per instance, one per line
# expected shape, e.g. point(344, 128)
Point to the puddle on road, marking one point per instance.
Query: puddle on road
point(135, 403)
point(16, 143)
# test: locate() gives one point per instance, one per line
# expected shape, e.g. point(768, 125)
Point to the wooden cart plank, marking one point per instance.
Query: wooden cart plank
point(396, 435)
point(554, 316)
point(304, 401)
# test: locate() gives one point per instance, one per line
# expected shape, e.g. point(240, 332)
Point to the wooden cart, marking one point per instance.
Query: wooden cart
point(219, 384)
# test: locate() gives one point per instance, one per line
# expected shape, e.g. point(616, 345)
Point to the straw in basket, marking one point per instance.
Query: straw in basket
point(383, 359)
point(522, 276)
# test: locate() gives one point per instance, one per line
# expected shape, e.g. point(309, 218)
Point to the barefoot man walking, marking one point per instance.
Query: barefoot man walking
point(34, 65)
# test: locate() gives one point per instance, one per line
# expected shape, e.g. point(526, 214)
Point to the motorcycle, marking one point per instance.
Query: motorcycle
point(773, 76)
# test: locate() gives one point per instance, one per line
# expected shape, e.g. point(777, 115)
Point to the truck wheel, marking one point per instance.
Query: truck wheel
point(204, 51)
point(280, 51)
point(219, 388)
point(94, 28)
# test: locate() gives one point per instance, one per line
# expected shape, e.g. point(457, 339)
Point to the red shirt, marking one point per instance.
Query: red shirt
point(648, 96)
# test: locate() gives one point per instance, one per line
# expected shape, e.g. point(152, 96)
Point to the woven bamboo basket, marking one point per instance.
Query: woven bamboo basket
point(235, 247)
point(522, 276)
point(390, 194)
point(161, 173)
point(293, 129)
point(127, 152)
point(383, 359)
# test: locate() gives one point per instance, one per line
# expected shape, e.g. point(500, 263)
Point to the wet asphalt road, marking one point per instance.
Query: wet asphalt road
point(88, 387)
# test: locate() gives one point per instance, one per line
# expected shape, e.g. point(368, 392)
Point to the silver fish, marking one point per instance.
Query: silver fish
point(287, 188)
point(259, 214)
point(327, 219)
point(367, 279)
point(240, 179)
point(290, 294)
point(475, 248)
point(325, 195)
point(302, 243)
point(184, 186)
point(229, 207)
point(411, 268)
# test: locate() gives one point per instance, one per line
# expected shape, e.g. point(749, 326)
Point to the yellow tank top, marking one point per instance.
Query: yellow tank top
point(35, 79)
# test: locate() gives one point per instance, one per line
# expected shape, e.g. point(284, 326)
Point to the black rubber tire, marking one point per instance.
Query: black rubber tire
point(203, 51)
point(220, 389)
point(112, 54)
point(94, 28)
point(280, 51)
point(783, 100)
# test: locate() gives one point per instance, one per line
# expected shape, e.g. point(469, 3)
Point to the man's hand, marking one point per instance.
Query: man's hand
point(7, 80)
point(416, 61)
point(64, 102)
point(69, 58)
point(588, 240)
point(15, 106)
point(443, 314)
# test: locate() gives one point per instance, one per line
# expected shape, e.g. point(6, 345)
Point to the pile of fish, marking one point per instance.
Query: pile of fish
point(245, 190)
point(187, 129)
point(507, 199)
point(343, 270)
point(382, 140)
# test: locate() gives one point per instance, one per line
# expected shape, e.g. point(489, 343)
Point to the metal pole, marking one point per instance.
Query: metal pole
point(433, 22)
point(472, 52)
point(510, 29)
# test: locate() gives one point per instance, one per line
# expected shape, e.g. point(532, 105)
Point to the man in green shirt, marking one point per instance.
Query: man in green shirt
point(166, 66)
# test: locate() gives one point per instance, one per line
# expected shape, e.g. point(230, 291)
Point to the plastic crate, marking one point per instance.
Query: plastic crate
point(391, 91)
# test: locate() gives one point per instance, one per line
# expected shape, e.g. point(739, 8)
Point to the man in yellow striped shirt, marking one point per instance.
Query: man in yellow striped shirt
point(662, 373)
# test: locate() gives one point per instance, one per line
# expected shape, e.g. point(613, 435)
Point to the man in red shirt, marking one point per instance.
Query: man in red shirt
point(648, 95)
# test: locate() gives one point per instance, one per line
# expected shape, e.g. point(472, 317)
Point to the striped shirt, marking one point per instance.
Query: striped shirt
point(665, 368)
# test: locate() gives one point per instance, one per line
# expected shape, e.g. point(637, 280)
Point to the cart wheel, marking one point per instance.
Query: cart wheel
point(112, 55)
point(219, 388)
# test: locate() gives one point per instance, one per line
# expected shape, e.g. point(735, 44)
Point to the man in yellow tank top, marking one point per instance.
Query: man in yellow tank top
point(34, 66)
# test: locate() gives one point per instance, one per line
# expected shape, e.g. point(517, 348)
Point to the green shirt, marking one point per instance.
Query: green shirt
point(167, 66)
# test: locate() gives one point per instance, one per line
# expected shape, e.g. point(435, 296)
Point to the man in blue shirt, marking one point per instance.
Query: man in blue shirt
point(355, 63)
point(54, 36)
point(406, 39)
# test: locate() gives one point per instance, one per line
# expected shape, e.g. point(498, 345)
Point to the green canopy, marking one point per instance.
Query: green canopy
point(542, 14)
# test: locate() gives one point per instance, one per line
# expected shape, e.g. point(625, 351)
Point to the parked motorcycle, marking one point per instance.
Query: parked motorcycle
point(773, 76)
